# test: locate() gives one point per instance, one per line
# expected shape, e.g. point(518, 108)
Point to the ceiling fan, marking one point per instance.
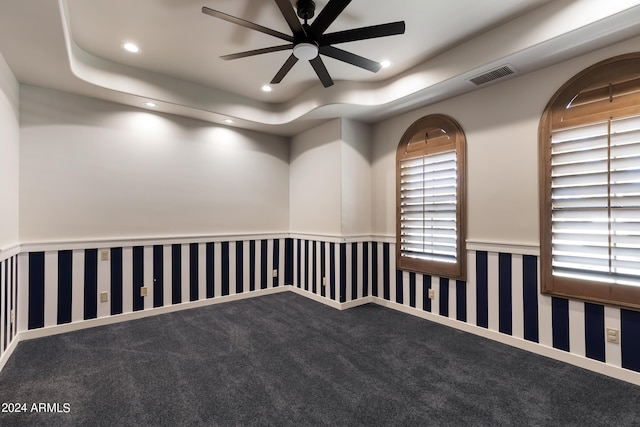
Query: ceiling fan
point(308, 41)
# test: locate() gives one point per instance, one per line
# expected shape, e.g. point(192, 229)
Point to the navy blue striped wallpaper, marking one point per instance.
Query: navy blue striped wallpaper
point(90, 289)
point(176, 273)
point(560, 322)
point(36, 290)
point(158, 275)
point(193, 270)
point(501, 294)
point(138, 278)
point(594, 331)
point(461, 300)
point(172, 274)
point(530, 297)
point(337, 271)
point(116, 281)
point(504, 292)
point(630, 339)
point(482, 290)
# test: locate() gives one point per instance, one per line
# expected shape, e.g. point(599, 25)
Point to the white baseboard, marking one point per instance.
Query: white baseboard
point(85, 324)
point(328, 301)
point(9, 351)
point(553, 353)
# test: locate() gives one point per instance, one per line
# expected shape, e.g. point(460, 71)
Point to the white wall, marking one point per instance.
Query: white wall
point(331, 180)
point(501, 126)
point(315, 172)
point(92, 169)
point(356, 178)
point(9, 156)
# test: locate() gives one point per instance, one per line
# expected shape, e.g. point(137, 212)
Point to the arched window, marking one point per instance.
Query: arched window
point(430, 198)
point(590, 185)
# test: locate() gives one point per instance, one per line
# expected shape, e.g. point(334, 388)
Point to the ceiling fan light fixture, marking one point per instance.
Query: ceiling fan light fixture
point(306, 51)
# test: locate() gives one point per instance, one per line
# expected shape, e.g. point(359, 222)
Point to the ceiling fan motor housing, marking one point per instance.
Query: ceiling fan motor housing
point(306, 9)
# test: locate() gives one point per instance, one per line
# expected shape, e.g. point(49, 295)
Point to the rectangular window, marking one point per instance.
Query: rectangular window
point(595, 202)
point(428, 199)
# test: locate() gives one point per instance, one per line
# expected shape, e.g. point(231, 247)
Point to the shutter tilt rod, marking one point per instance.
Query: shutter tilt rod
point(610, 92)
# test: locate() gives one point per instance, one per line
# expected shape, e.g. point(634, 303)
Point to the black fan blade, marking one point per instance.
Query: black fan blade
point(321, 71)
point(246, 24)
point(257, 52)
point(290, 15)
point(328, 14)
point(363, 33)
point(288, 65)
point(350, 58)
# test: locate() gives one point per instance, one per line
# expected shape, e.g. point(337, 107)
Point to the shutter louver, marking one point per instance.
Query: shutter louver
point(428, 195)
point(625, 200)
point(595, 201)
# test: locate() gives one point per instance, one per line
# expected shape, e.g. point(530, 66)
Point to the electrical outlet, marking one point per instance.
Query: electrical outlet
point(104, 296)
point(613, 336)
point(432, 294)
point(104, 255)
point(12, 316)
point(143, 291)
point(275, 272)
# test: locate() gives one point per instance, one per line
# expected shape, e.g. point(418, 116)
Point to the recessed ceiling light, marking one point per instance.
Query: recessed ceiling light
point(266, 88)
point(228, 121)
point(150, 104)
point(385, 63)
point(131, 47)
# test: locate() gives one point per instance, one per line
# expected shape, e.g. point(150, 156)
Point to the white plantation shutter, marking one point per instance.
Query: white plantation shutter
point(428, 194)
point(595, 201)
point(589, 162)
point(625, 199)
point(430, 198)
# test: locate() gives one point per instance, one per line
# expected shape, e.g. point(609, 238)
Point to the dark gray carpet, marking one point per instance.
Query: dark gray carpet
point(286, 360)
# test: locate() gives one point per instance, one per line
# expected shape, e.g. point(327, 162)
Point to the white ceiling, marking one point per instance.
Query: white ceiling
point(180, 41)
point(75, 45)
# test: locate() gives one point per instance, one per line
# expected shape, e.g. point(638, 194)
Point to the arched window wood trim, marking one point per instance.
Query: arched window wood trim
point(608, 94)
point(433, 137)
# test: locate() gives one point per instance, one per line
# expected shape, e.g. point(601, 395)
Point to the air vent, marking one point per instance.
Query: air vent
point(492, 75)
